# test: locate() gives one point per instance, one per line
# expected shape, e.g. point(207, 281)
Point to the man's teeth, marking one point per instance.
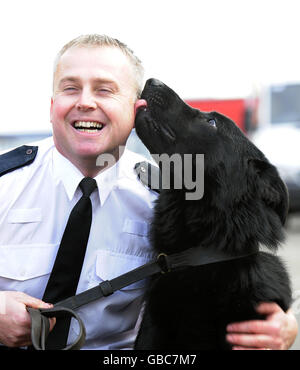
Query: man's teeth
point(87, 130)
point(88, 126)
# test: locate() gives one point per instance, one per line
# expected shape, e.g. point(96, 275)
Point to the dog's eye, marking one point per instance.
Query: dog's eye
point(212, 122)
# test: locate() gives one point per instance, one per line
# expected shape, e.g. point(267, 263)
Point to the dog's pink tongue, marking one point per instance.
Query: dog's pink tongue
point(139, 104)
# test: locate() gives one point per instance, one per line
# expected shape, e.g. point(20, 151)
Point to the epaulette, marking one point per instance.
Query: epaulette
point(17, 158)
point(149, 175)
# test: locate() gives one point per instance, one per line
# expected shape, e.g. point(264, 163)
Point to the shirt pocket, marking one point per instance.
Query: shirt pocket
point(110, 265)
point(140, 228)
point(22, 216)
point(28, 261)
point(134, 239)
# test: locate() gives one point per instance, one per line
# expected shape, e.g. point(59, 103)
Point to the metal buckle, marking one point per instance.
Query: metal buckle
point(164, 265)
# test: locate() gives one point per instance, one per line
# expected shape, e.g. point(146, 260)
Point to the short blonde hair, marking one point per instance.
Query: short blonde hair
point(95, 40)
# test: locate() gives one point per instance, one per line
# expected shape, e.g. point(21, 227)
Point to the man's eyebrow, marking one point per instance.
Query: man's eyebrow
point(108, 81)
point(68, 79)
point(97, 80)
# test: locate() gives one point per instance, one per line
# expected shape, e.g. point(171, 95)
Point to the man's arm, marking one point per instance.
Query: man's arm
point(15, 323)
point(278, 331)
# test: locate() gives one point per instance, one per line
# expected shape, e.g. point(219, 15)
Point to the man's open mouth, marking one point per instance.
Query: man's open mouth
point(88, 126)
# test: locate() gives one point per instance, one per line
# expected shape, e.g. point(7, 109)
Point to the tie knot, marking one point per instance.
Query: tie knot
point(87, 185)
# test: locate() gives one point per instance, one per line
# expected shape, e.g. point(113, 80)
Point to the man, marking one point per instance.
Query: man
point(96, 85)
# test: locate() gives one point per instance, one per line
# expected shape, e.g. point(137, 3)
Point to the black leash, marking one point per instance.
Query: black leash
point(196, 256)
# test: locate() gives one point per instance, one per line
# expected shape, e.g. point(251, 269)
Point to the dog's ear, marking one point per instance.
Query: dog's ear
point(271, 188)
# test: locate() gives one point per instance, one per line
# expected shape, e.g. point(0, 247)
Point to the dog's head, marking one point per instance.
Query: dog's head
point(235, 169)
point(169, 125)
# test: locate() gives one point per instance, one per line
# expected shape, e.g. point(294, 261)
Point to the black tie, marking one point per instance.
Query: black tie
point(66, 271)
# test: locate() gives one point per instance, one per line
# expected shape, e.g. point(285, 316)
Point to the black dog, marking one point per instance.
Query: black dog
point(244, 206)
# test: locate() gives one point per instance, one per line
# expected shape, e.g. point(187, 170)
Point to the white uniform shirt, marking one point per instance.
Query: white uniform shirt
point(36, 201)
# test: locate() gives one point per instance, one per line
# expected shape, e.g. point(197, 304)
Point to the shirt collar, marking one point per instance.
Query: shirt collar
point(115, 175)
point(64, 171)
point(106, 181)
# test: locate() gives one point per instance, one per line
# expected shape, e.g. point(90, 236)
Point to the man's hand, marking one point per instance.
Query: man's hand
point(278, 331)
point(15, 324)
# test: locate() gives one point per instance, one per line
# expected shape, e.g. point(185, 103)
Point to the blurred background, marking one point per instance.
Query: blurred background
point(241, 58)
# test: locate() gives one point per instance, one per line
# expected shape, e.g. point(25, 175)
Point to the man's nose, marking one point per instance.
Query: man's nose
point(86, 101)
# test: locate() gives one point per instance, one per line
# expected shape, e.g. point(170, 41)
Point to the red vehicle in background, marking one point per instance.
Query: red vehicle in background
point(239, 110)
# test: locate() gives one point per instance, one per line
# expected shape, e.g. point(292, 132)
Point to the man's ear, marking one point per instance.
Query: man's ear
point(139, 104)
point(271, 188)
point(51, 109)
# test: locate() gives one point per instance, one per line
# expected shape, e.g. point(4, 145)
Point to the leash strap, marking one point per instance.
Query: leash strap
point(40, 326)
point(196, 256)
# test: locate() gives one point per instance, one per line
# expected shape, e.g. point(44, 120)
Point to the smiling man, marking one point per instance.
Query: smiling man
point(97, 83)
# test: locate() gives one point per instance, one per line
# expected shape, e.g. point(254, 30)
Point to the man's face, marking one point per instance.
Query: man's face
point(92, 85)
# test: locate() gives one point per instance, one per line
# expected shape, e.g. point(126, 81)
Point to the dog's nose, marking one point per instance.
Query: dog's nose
point(154, 82)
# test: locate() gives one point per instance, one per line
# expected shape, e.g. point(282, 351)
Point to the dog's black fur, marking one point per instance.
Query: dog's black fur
point(244, 205)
